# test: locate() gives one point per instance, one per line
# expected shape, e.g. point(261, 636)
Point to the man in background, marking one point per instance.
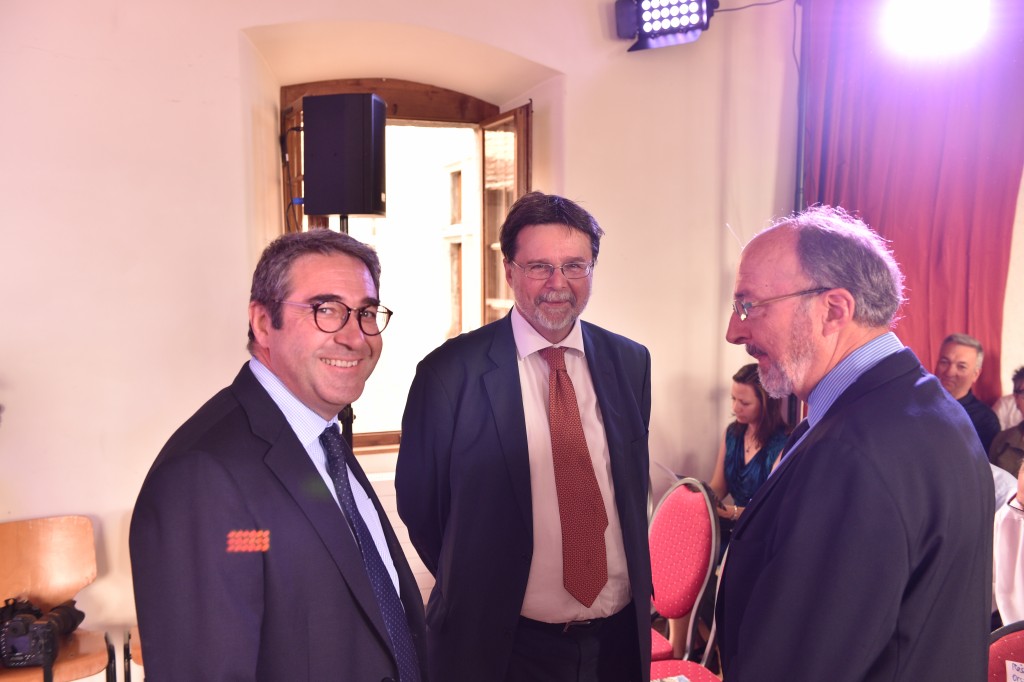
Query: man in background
point(1006, 408)
point(958, 368)
point(259, 550)
point(1007, 449)
point(867, 555)
point(522, 475)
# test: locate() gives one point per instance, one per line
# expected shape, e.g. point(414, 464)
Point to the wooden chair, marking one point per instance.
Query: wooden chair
point(132, 652)
point(47, 561)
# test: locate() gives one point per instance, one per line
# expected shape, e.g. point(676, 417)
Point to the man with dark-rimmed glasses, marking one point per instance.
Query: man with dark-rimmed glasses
point(866, 556)
point(259, 549)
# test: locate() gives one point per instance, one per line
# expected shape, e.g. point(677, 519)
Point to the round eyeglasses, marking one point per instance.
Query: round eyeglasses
point(545, 270)
point(330, 316)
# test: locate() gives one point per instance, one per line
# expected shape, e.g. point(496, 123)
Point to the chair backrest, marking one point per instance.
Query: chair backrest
point(684, 547)
point(47, 560)
point(1006, 645)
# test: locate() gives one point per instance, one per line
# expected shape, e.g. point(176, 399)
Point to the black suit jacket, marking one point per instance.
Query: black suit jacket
point(463, 483)
point(867, 555)
point(303, 609)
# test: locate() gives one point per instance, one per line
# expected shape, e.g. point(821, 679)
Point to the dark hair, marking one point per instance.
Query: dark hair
point(271, 281)
point(837, 250)
point(537, 208)
point(771, 408)
point(1018, 377)
point(970, 342)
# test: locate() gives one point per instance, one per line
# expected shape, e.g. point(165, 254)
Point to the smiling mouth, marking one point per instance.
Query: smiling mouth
point(339, 363)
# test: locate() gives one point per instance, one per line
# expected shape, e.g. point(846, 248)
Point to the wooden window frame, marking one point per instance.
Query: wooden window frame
point(405, 100)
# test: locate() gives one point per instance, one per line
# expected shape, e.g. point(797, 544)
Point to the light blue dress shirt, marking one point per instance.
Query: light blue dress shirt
point(843, 375)
point(308, 426)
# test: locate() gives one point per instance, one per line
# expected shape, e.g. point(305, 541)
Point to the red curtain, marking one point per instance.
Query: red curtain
point(930, 154)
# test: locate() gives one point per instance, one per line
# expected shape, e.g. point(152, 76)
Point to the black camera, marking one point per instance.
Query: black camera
point(29, 637)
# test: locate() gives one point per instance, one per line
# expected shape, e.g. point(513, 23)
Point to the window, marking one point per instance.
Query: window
point(453, 253)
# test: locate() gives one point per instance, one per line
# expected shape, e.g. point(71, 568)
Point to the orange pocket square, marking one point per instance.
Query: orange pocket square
point(249, 541)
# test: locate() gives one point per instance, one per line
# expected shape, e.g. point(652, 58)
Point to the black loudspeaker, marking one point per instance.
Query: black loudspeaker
point(343, 154)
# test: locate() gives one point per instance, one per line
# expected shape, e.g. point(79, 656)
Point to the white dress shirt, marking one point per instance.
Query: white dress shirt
point(1008, 562)
point(546, 599)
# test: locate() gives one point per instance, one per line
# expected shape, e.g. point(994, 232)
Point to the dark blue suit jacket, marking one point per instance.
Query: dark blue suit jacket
point(302, 610)
point(463, 483)
point(867, 556)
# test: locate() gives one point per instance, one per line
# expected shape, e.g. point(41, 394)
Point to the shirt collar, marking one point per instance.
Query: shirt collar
point(528, 340)
point(842, 376)
point(306, 423)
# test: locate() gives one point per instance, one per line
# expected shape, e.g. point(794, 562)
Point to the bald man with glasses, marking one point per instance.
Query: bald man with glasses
point(867, 554)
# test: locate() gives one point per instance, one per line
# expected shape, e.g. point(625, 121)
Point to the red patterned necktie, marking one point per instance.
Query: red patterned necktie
point(580, 505)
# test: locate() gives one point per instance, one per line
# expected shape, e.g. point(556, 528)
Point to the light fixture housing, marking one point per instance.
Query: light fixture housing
point(661, 23)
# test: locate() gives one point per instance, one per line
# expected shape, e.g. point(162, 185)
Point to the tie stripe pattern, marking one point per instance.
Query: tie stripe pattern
point(338, 454)
point(580, 505)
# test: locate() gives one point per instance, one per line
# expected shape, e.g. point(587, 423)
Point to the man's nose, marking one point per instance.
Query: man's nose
point(736, 332)
point(350, 333)
point(557, 279)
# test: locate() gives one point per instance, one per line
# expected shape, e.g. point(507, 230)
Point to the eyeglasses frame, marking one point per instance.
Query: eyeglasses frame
point(315, 306)
point(561, 268)
point(742, 309)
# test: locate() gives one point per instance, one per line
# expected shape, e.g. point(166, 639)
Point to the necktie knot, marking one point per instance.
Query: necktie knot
point(331, 440)
point(555, 357)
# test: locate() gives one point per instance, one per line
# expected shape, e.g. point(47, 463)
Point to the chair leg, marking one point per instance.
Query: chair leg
point(111, 671)
point(127, 656)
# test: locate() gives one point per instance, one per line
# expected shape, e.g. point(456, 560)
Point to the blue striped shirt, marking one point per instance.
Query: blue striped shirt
point(308, 426)
point(844, 374)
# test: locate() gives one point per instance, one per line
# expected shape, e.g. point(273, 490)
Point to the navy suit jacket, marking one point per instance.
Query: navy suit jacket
point(867, 555)
point(463, 483)
point(303, 609)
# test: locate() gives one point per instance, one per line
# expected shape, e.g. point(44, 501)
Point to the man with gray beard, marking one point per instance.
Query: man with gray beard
point(528, 504)
point(866, 556)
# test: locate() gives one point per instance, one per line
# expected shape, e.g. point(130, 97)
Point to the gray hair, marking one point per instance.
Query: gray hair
point(969, 341)
point(838, 251)
point(271, 281)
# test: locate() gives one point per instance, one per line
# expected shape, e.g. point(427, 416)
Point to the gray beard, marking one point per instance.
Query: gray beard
point(780, 378)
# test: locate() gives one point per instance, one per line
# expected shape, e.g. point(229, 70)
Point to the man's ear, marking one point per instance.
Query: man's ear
point(840, 308)
point(259, 322)
point(508, 271)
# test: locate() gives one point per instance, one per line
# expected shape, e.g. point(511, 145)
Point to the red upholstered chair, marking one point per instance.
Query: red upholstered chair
point(684, 541)
point(672, 669)
point(1005, 645)
point(661, 648)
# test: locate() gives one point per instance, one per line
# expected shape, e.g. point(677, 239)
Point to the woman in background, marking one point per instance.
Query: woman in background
point(750, 447)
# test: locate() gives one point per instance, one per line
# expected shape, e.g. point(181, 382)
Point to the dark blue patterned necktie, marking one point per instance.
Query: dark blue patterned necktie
point(387, 598)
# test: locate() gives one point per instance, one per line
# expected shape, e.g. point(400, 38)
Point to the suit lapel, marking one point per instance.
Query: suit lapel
point(886, 370)
point(409, 591)
point(506, 403)
point(606, 385)
point(290, 463)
